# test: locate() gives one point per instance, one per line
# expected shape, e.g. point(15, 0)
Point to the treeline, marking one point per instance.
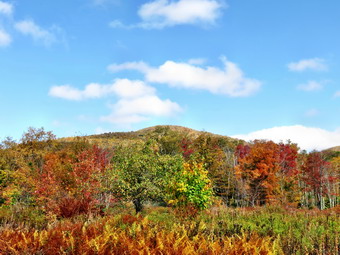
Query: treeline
point(56, 178)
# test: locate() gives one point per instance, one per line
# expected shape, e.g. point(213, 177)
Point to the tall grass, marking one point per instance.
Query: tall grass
point(127, 235)
point(159, 230)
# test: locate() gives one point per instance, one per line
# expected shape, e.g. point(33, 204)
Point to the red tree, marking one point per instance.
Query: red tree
point(316, 176)
point(186, 148)
point(70, 185)
point(289, 184)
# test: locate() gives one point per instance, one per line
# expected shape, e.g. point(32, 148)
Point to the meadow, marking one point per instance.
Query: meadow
point(163, 230)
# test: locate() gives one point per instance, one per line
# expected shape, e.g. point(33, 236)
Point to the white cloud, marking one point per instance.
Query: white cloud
point(138, 66)
point(159, 14)
point(132, 89)
point(310, 86)
point(315, 64)
point(5, 38)
point(6, 8)
point(307, 138)
point(121, 87)
point(133, 110)
point(163, 13)
point(227, 81)
point(149, 105)
point(30, 28)
point(137, 101)
point(337, 94)
point(92, 90)
point(67, 92)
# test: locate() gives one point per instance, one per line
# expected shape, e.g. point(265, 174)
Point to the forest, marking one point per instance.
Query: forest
point(166, 190)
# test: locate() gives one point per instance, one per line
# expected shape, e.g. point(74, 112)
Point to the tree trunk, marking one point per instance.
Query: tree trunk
point(138, 205)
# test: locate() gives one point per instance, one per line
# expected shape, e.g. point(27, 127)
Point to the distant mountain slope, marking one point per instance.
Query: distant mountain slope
point(126, 138)
point(192, 133)
point(336, 148)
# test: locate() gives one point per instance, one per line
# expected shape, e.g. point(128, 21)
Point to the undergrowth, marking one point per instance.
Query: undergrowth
point(160, 231)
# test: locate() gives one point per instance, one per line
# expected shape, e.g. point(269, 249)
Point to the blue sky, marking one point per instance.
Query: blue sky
point(250, 69)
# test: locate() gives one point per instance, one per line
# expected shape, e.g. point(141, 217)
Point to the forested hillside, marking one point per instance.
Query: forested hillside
point(169, 174)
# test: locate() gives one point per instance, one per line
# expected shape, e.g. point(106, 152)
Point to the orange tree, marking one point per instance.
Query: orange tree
point(258, 169)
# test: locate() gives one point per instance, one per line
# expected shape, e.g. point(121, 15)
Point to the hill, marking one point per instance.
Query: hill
point(188, 132)
point(156, 132)
point(335, 149)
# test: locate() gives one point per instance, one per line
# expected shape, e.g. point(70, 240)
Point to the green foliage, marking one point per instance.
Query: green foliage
point(297, 231)
point(190, 187)
point(138, 173)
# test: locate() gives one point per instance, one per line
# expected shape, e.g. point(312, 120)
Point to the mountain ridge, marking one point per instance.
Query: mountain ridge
point(159, 130)
point(156, 132)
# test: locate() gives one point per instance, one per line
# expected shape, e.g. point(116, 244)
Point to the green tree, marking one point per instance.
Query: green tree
point(189, 186)
point(217, 156)
point(138, 173)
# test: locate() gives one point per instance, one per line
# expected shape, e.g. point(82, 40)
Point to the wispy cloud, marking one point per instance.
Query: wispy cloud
point(308, 138)
point(229, 80)
point(312, 113)
point(119, 24)
point(314, 64)
point(138, 66)
point(105, 2)
point(30, 28)
point(197, 61)
point(6, 8)
point(5, 38)
point(164, 13)
point(137, 101)
point(311, 86)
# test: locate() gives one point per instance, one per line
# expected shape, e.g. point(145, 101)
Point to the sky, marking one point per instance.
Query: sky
point(257, 69)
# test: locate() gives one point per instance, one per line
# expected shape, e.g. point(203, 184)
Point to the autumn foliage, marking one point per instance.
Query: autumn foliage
point(83, 196)
point(258, 169)
point(143, 237)
point(68, 185)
